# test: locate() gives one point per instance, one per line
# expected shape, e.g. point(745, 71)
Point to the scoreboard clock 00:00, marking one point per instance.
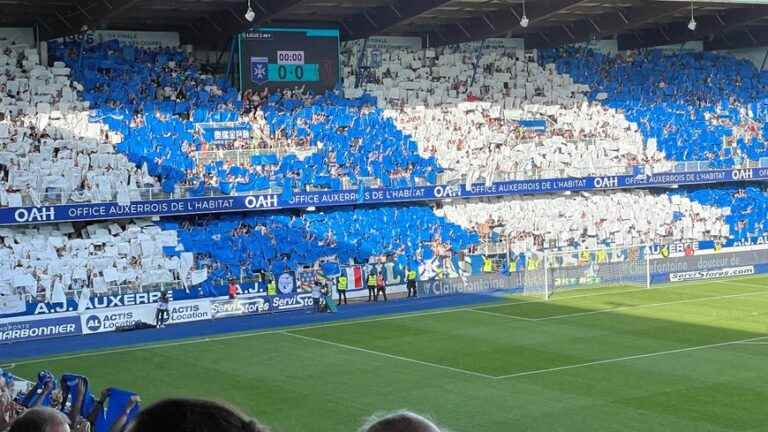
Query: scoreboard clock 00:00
point(285, 57)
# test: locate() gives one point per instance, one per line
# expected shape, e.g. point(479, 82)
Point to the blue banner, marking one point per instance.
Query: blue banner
point(222, 204)
point(224, 132)
point(533, 124)
point(39, 329)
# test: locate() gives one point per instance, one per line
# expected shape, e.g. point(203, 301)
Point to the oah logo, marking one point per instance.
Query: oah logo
point(36, 214)
point(261, 201)
point(447, 191)
point(742, 174)
point(93, 323)
point(606, 182)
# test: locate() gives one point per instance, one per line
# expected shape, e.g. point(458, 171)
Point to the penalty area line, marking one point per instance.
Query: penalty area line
point(501, 315)
point(652, 305)
point(633, 357)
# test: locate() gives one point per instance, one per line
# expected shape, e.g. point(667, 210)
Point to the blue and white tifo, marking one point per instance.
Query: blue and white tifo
point(468, 170)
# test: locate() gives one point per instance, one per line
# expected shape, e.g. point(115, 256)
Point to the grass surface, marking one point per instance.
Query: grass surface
point(687, 357)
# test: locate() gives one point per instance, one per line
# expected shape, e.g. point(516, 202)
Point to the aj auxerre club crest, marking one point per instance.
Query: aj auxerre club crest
point(259, 70)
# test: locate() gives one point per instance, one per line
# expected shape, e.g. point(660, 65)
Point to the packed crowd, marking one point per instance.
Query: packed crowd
point(459, 109)
point(61, 405)
point(236, 246)
point(471, 108)
point(697, 106)
point(590, 220)
point(154, 98)
point(49, 150)
point(744, 209)
point(50, 263)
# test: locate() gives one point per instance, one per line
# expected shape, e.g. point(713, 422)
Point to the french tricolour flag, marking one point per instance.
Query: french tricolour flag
point(355, 277)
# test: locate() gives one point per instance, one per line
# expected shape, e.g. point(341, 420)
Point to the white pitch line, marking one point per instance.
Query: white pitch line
point(501, 314)
point(650, 305)
point(392, 356)
point(666, 285)
point(240, 335)
point(753, 343)
point(632, 357)
point(342, 323)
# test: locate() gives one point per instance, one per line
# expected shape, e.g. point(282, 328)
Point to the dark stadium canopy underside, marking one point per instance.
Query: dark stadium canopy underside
point(210, 23)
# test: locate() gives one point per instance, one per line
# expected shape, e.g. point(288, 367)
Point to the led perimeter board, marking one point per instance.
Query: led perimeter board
point(289, 57)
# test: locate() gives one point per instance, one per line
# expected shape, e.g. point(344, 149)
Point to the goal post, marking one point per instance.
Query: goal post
point(551, 272)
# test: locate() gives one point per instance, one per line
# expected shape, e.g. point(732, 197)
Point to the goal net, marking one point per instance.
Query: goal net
point(552, 272)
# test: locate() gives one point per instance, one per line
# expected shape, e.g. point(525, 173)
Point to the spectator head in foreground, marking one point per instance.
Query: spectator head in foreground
point(41, 420)
point(193, 415)
point(401, 421)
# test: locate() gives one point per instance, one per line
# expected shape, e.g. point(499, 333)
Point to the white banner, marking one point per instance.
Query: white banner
point(99, 321)
point(17, 36)
point(712, 274)
point(509, 43)
point(141, 39)
point(394, 42)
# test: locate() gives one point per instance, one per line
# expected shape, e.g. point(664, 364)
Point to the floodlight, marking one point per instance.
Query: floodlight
point(250, 14)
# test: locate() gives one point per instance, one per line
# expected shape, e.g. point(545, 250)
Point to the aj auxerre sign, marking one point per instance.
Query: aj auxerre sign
point(103, 211)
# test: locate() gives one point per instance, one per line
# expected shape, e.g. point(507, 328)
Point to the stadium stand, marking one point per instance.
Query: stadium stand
point(418, 117)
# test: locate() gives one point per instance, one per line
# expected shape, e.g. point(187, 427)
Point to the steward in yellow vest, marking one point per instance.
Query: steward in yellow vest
point(532, 263)
point(341, 287)
point(371, 283)
point(601, 256)
point(584, 256)
point(487, 265)
point(410, 282)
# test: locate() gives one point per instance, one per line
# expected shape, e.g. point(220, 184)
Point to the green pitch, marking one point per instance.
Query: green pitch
point(686, 357)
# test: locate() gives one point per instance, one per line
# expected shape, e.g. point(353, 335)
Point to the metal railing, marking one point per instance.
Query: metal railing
point(57, 196)
point(112, 290)
point(142, 194)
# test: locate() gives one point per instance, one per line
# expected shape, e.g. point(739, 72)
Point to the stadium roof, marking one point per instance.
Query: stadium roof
point(210, 23)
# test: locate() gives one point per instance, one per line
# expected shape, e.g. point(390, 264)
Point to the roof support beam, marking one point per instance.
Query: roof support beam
point(380, 19)
point(96, 14)
point(508, 20)
point(709, 27)
point(746, 38)
point(230, 22)
point(613, 23)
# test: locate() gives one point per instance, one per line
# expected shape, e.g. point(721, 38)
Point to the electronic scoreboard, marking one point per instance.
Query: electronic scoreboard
point(288, 57)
